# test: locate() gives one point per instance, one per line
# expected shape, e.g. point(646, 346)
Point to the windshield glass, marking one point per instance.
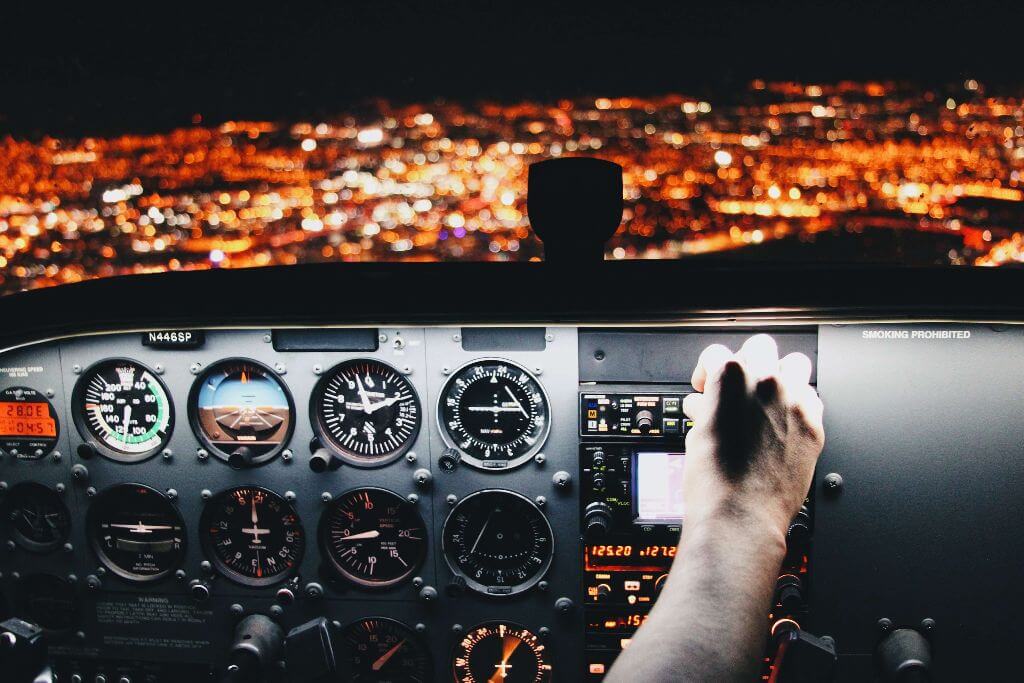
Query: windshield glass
point(799, 132)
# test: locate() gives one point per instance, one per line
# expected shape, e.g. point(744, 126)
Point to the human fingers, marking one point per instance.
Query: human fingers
point(760, 356)
point(709, 364)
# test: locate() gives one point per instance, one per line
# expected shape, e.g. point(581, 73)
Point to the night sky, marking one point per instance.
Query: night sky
point(97, 69)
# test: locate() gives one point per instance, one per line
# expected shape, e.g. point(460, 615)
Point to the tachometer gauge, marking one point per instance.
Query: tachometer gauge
point(241, 412)
point(28, 423)
point(366, 412)
point(498, 541)
point(124, 408)
point(252, 535)
point(39, 520)
point(500, 651)
point(373, 537)
point(382, 650)
point(495, 413)
point(137, 532)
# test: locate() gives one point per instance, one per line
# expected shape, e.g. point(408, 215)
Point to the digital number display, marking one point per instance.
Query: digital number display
point(624, 556)
point(26, 419)
point(659, 487)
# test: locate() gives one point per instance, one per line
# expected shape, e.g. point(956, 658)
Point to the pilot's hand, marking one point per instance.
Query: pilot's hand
point(756, 437)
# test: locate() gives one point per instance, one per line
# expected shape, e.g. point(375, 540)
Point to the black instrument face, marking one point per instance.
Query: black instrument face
point(28, 423)
point(252, 535)
point(48, 601)
point(373, 538)
point(38, 518)
point(137, 532)
point(366, 412)
point(242, 412)
point(500, 651)
point(124, 409)
point(383, 650)
point(499, 541)
point(495, 412)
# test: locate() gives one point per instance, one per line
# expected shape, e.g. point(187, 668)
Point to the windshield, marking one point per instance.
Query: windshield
point(800, 132)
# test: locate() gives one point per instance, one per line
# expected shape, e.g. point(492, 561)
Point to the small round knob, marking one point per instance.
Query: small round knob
point(598, 459)
point(457, 586)
point(285, 596)
point(200, 591)
point(450, 459)
point(597, 519)
point(85, 451)
point(320, 460)
point(602, 592)
point(241, 457)
point(644, 420)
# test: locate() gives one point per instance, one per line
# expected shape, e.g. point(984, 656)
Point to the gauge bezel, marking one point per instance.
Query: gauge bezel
point(39, 397)
point(226, 571)
point(19, 538)
point(472, 460)
point(323, 543)
point(482, 588)
point(402, 626)
point(324, 436)
point(193, 409)
point(493, 625)
point(101, 555)
point(101, 447)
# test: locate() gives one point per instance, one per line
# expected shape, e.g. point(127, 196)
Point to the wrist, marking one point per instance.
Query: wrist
point(756, 527)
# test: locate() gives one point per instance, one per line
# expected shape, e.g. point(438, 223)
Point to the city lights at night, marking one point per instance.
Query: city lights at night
point(784, 164)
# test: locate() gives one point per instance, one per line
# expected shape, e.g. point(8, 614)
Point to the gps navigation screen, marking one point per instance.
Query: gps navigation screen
point(659, 486)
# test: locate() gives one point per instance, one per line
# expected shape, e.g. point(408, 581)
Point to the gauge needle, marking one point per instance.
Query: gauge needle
point(494, 409)
point(509, 646)
point(380, 404)
point(126, 420)
point(256, 531)
point(362, 395)
point(516, 401)
point(379, 664)
point(481, 534)
point(360, 536)
point(141, 528)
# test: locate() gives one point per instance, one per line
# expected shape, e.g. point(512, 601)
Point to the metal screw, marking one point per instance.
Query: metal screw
point(833, 482)
point(422, 477)
point(382, 337)
point(168, 454)
point(456, 338)
point(599, 355)
point(413, 498)
point(884, 625)
point(180, 575)
point(206, 567)
point(172, 494)
point(61, 488)
point(202, 454)
point(50, 393)
point(237, 609)
point(267, 338)
point(318, 370)
point(326, 497)
point(91, 491)
point(195, 368)
point(206, 494)
point(287, 455)
point(538, 371)
point(417, 582)
point(542, 585)
point(76, 368)
point(281, 368)
point(540, 458)
point(276, 610)
point(562, 479)
point(92, 582)
point(57, 457)
point(456, 628)
point(541, 501)
point(420, 628)
point(289, 496)
point(68, 548)
point(446, 370)
point(451, 499)
point(159, 368)
point(543, 632)
point(549, 337)
point(314, 590)
point(927, 624)
point(410, 456)
point(407, 370)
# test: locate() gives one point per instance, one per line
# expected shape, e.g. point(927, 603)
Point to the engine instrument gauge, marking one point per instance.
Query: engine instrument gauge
point(498, 541)
point(137, 532)
point(124, 407)
point(242, 412)
point(382, 650)
point(500, 651)
point(252, 535)
point(28, 423)
point(373, 538)
point(495, 413)
point(39, 520)
point(366, 412)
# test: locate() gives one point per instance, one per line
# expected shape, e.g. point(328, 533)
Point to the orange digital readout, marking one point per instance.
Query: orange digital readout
point(26, 420)
point(626, 557)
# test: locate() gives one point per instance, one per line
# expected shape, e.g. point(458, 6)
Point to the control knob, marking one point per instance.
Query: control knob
point(602, 592)
point(597, 519)
point(644, 420)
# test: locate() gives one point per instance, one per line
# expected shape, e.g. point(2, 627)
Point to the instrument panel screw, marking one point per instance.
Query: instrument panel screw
point(541, 501)
point(57, 457)
point(202, 454)
point(91, 491)
point(267, 339)
point(168, 454)
point(456, 338)
point(206, 494)
point(92, 582)
point(206, 567)
point(276, 610)
point(428, 594)
point(451, 499)
point(60, 488)
point(927, 624)
point(543, 632)
point(287, 455)
point(318, 370)
point(180, 575)
point(446, 370)
point(195, 368)
point(833, 482)
point(538, 371)
point(382, 337)
point(68, 548)
point(101, 571)
point(563, 605)
point(417, 582)
point(314, 590)
point(407, 370)
point(562, 479)
point(172, 494)
point(237, 609)
point(289, 496)
point(456, 628)
point(420, 627)
point(542, 585)
point(50, 393)
point(422, 477)
point(326, 497)
point(79, 635)
point(159, 368)
point(410, 456)
point(413, 498)
point(549, 337)
point(77, 369)
point(540, 458)
point(3, 485)
point(10, 546)
point(884, 625)
point(280, 368)
point(72, 578)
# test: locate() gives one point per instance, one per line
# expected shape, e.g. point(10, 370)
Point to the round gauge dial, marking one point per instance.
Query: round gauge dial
point(499, 541)
point(241, 412)
point(28, 423)
point(124, 407)
point(373, 537)
point(137, 532)
point(253, 535)
point(382, 650)
point(500, 651)
point(366, 412)
point(49, 601)
point(495, 412)
point(39, 520)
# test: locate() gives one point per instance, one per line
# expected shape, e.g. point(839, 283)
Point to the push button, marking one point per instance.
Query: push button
point(671, 425)
point(671, 405)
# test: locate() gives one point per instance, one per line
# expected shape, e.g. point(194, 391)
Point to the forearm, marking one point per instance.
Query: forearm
point(710, 619)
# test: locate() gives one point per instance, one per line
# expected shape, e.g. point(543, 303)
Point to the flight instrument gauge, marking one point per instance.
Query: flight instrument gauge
point(382, 650)
point(39, 520)
point(252, 535)
point(498, 541)
point(366, 412)
point(123, 407)
point(500, 651)
point(241, 412)
point(373, 537)
point(136, 532)
point(28, 423)
point(495, 413)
